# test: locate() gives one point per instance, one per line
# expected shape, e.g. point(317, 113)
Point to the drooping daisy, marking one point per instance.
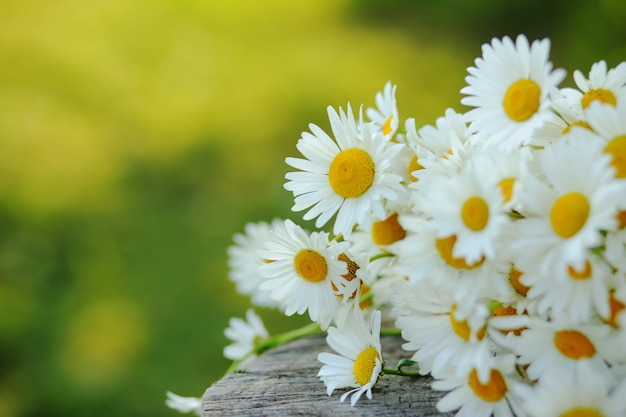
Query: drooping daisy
point(244, 262)
point(610, 124)
point(359, 359)
point(304, 272)
point(508, 89)
point(476, 398)
point(351, 177)
point(244, 334)
point(183, 404)
point(385, 115)
point(566, 211)
point(602, 85)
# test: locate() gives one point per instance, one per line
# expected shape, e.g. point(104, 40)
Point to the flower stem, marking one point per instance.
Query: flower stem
point(400, 372)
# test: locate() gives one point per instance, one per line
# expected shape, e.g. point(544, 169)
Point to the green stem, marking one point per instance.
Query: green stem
point(391, 331)
point(400, 372)
point(381, 255)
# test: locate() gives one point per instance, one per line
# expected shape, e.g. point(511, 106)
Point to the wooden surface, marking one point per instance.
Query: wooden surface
point(284, 382)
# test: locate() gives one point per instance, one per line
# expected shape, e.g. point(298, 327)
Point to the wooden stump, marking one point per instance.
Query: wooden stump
point(284, 382)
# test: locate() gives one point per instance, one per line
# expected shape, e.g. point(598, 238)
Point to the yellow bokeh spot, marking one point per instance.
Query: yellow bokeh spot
point(494, 390)
point(582, 412)
point(574, 344)
point(310, 265)
point(617, 149)
point(475, 213)
point(522, 100)
point(602, 95)
point(351, 173)
point(569, 214)
point(364, 365)
point(414, 165)
point(388, 231)
point(583, 274)
point(445, 247)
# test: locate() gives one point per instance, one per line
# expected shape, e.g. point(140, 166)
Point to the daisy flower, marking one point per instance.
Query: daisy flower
point(589, 395)
point(244, 334)
point(304, 272)
point(476, 398)
point(566, 212)
point(351, 177)
point(358, 362)
point(244, 263)
point(610, 124)
point(602, 85)
point(183, 404)
point(385, 115)
point(508, 90)
point(561, 345)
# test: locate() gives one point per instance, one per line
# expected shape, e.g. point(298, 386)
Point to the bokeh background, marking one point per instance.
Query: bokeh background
point(137, 136)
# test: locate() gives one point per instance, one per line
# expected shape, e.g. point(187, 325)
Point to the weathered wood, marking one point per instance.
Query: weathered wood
point(284, 382)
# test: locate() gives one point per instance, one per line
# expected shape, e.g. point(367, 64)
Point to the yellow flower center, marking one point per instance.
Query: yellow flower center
point(506, 187)
point(621, 219)
point(615, 307)
point(569, 214)
point(494, 390)
point(367, 302)
point(601, 94)
point(617, 149)
point(414, 166)
point(387, 231)
point(574, 344)
point(514, 279)
point(582, 412)
point(475, 213)
point(507, 311)
point(571, 125)
point(462, 328)
point(387, 126)
point(445, 246)
point(585, 273)
point(522, 100)
point(364, 365)
point(310, 265)
point(351, 173)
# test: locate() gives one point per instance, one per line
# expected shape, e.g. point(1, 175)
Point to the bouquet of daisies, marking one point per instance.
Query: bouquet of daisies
point(495, 240)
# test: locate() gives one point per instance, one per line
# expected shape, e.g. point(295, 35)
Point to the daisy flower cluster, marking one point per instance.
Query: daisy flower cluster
point(493, 241)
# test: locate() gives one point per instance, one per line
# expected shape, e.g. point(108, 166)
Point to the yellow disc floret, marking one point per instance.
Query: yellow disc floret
point(414, 165)
point(506, 187)
point(475, 213)
point(310, 265)
point(582, 412)
point(445, 247)
point(574, 344)
point(462, 328)
point(601, 94)
point(493, 391)
point(351, 173)
point(582, 274)
point(364, 365)
point(569, 214)
point(387, 126)
point(388, 231)
point(522, 100)
point(514, 278)
point(617, 149)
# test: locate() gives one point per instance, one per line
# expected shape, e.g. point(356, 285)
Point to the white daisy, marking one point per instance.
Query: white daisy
point(244, 334)
point(602, 85)
point(385, 115)
point(610, 124)
point(351, 177)
point(566, 212)
point(303, 272)
point(244, 262)
point(508, 89)
point(359, 359)
point(183, 404)
point(476, 398)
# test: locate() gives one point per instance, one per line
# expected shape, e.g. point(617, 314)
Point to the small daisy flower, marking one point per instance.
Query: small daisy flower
point(183, 404)
point(304, 272)
point(385, 115)
point(351, 177)
point(244, 334)
point(358, 362)
point(566, 212)
point(244, 262)
point(508, 89)
point(610, 124)
point(604, 86)
point(476, 398)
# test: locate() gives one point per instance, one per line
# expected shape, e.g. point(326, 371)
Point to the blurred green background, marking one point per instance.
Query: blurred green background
point(137, 136)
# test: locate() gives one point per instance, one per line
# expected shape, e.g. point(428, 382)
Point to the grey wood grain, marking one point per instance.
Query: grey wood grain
point(284, 382)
